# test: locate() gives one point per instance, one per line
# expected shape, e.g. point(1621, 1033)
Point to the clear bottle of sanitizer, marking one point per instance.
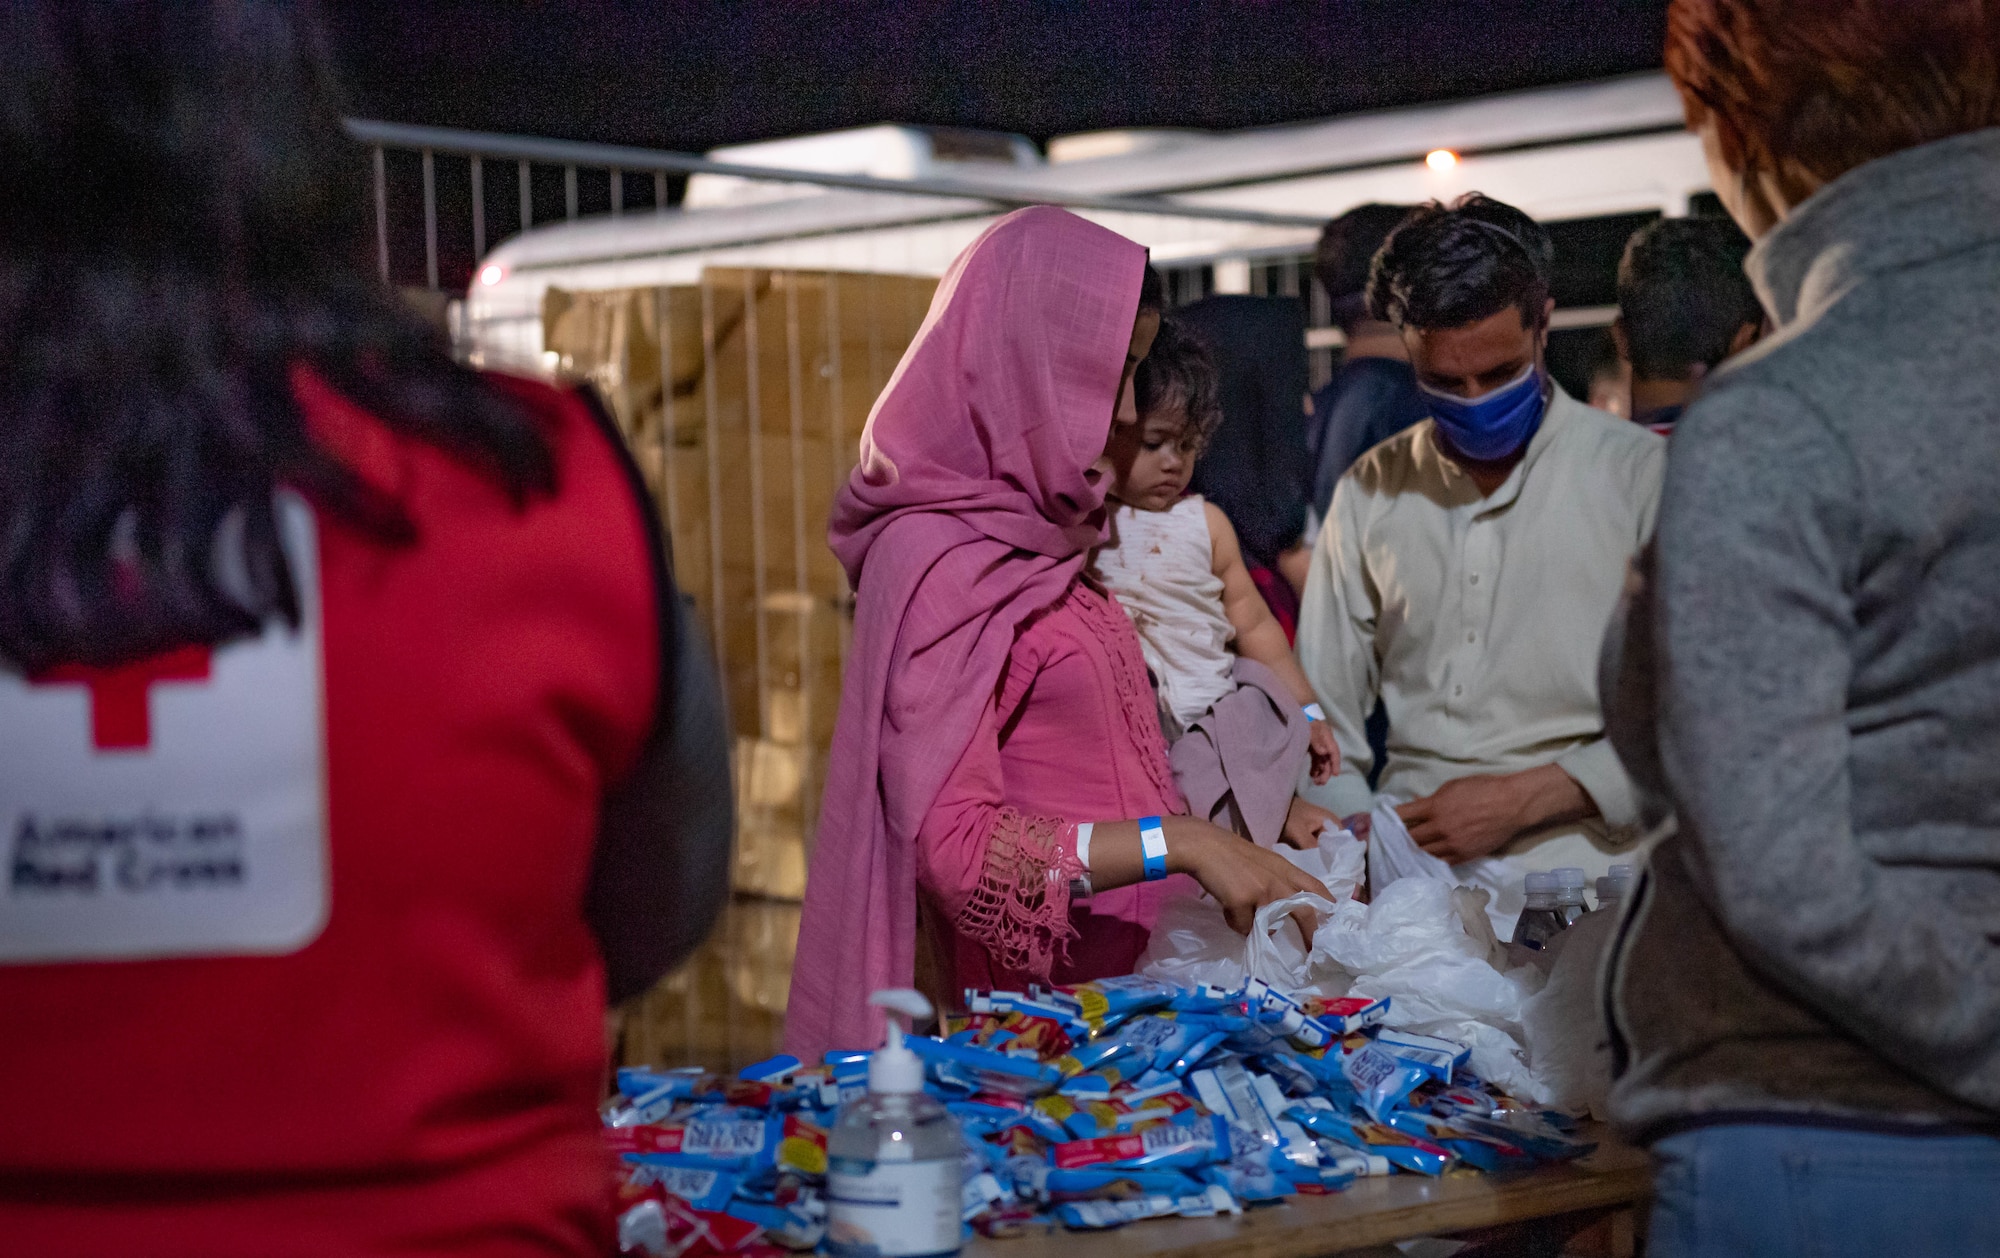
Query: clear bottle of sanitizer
point(894, 1170)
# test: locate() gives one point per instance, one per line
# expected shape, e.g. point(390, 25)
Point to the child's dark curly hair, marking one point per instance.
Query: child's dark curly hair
point(1178, 375)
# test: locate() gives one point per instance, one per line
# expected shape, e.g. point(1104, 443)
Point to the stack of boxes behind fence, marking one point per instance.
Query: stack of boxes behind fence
point(743, 399)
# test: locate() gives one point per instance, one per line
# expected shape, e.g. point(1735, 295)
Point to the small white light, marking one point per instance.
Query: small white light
point(492, 273)
point(1441, 160)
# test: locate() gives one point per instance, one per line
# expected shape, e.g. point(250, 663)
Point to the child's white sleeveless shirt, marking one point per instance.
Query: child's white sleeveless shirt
point(1161, 567)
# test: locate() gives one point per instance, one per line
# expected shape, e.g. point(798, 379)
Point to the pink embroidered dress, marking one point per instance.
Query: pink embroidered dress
point(991, 701)
point(1073, 735)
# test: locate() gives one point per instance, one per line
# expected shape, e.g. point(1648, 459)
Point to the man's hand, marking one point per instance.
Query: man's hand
point(1473, 816)
point(1325, 752)
point(1302, 824)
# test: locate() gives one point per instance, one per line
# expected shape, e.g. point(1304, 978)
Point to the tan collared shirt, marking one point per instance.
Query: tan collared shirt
point(1477, 620)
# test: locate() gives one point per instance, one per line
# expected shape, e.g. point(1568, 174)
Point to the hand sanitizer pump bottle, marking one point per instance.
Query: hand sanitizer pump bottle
point(894, 1159)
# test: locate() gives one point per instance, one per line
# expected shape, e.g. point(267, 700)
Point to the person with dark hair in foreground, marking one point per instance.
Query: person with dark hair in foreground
point(1806, 991)
point(1684, 305)
point(352, 742)
point(1374, 394)
point(1469, 564)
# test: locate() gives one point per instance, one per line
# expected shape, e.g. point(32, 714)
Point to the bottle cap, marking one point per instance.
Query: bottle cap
point(1622, 873)
point(1609, 887)
point(893, 1068)
point(1540, 884)
point(1569, 878)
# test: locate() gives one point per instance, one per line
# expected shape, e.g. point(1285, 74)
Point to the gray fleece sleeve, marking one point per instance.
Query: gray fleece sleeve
point(1760, 545)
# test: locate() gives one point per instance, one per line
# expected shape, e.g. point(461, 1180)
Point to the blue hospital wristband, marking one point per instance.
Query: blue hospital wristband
point(1153, 845)
point(1314, 712)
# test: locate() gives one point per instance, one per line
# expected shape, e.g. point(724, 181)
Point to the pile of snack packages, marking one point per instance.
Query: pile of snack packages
point(1088, 1106)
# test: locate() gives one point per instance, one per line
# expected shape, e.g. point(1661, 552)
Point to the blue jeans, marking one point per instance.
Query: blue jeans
point(1778, 1191)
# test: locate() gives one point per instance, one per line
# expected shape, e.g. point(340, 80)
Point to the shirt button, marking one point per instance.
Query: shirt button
point(1457, 690)
point(1474, 578)
point(1471, 636)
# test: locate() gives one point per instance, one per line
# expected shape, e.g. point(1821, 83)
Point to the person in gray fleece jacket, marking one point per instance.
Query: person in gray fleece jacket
point(1805, 994)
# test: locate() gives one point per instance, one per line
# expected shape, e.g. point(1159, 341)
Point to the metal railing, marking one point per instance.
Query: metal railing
point(527, 152)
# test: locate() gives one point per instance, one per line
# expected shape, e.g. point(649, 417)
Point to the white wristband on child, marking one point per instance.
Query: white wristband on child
point(1080, 887)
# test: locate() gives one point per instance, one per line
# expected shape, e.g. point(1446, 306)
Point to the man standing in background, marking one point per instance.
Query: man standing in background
point(1469, 565)
point(1374, 394)
point(1684, 305)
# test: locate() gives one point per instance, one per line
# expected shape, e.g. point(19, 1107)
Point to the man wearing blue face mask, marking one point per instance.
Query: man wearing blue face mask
point(1470, 564)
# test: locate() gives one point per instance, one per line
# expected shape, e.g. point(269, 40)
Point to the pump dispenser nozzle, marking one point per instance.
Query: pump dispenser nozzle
point(893, 1068)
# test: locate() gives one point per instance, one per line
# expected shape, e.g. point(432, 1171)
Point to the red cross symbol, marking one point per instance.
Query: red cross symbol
point(121, 717)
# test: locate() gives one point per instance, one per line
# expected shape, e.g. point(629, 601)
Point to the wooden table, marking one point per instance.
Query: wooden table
point(1369, 1213)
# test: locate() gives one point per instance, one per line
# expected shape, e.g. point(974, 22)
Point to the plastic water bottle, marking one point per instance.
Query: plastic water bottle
point(1570, 882)
point(1541, 920)
point(894, 1173)
point(1613, 887)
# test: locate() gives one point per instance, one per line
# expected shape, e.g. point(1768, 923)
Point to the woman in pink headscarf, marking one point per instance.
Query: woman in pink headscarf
point(996, 701)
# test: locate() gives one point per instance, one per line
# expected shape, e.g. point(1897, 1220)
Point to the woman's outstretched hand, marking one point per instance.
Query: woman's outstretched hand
point(1240, 875)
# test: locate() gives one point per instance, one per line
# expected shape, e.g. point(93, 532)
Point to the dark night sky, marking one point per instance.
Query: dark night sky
point(690, 76)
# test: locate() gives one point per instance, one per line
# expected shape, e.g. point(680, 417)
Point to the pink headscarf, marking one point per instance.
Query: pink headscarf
point(972, 509)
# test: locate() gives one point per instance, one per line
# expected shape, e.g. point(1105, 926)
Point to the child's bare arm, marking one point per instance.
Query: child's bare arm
point(1260, 637)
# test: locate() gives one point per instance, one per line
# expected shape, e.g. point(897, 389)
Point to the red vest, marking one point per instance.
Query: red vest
point(400, 1047)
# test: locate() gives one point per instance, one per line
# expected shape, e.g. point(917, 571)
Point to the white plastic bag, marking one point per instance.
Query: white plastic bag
point(1411, 945)
point(1394, 855)
point(1192, 944)
point(1424, 942)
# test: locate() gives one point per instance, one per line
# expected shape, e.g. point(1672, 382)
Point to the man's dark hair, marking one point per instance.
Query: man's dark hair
point(1346, 249)
point(1450, 265)
point(1682, 295)
point(1178, 373)
point(186, 226)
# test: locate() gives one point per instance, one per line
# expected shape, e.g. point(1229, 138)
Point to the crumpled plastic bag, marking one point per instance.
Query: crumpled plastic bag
point(1394, 855)
point(1192, 944)
point(1412, 945)
point(1426, 943)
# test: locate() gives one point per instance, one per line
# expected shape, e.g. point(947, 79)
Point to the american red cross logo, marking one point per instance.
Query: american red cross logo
point(121, 702)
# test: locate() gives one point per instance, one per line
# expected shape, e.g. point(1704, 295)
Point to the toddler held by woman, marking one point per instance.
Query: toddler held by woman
point(1242, 722)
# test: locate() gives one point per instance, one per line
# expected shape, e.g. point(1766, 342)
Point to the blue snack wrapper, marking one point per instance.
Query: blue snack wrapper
point(1437, 1057)
point(983, 1068)
point(703, 1187)
point(1104, 1002)
point(1097, 1215)
point(1382, 1081)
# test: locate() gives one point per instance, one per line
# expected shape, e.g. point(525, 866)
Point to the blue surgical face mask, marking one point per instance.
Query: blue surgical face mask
point(1493, 425)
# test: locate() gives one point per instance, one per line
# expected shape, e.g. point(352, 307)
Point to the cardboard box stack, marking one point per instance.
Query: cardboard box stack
point(743, 398)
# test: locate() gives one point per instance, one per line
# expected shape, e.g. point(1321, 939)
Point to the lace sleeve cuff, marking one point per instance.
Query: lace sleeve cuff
point(1020, 909)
